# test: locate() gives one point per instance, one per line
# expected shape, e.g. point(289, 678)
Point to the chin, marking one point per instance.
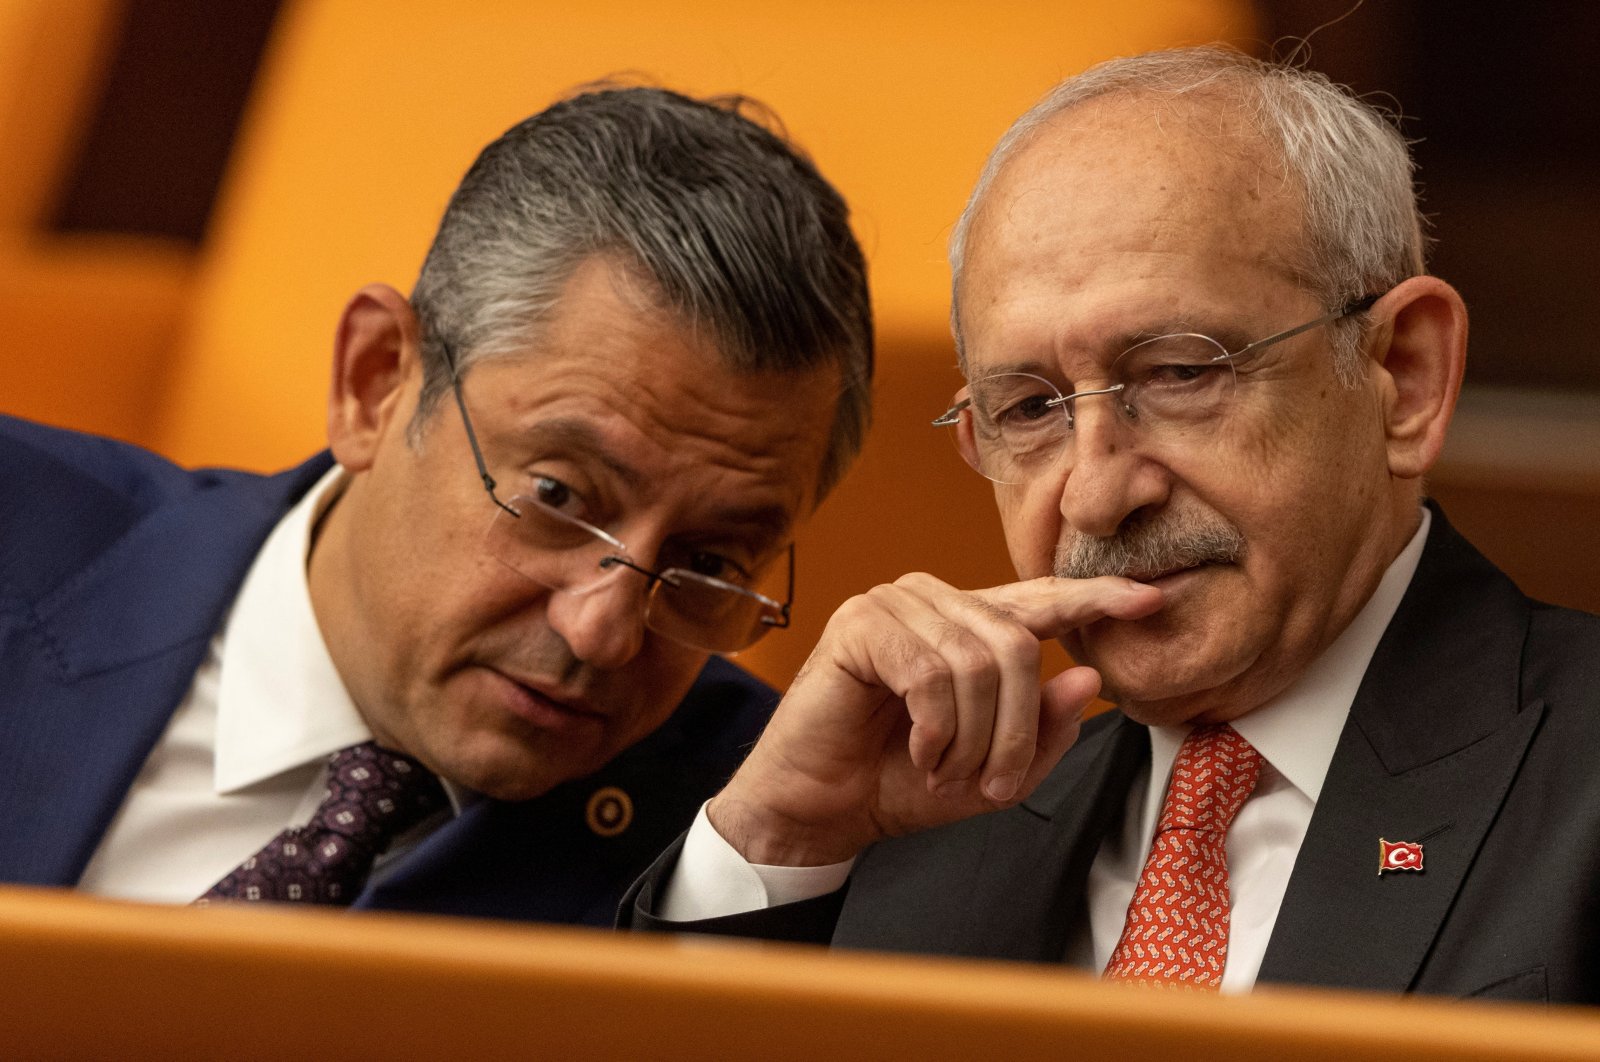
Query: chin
point(510, 770)
point(1160, 673)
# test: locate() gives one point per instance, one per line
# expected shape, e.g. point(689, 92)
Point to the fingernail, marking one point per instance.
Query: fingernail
point(949, 790)
point(1003, 786)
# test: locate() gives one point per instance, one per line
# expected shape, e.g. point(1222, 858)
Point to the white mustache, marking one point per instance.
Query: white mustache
point(1149, 548)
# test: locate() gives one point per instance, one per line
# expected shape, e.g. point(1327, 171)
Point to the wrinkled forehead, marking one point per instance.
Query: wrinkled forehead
point(1172, 200)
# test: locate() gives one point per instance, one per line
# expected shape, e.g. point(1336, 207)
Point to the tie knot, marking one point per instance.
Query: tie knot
point(1215, 771)
point(375, 794)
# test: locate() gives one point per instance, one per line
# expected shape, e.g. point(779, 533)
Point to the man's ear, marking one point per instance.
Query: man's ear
point(376, 353)
point(1420, 356)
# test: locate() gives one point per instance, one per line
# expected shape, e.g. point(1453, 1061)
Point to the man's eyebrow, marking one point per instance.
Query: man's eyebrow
point(572, 434)
point(1229, 335)
point(771, 522)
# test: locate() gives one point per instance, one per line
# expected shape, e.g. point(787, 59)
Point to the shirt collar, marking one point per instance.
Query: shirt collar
point(1298, 730)
point(280, 701)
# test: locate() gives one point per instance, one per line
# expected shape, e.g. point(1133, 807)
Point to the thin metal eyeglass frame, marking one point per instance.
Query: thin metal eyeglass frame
point(780, 622)
point(952, 415)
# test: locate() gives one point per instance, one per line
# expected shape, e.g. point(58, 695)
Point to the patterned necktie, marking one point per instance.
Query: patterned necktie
point(1177, 927)
point(373, 796)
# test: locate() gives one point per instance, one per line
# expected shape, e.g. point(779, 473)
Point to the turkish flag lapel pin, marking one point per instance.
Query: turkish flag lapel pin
point(1398, 855)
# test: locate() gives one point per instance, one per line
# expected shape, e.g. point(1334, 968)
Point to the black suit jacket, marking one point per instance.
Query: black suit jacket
point(1476, 731)
point(116, 568)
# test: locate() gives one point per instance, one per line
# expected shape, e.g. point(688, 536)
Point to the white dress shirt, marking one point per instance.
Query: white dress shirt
point(1296, 734)
point(245, 755)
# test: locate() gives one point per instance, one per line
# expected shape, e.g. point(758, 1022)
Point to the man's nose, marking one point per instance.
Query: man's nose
point(1108, 473)
point(603, 624)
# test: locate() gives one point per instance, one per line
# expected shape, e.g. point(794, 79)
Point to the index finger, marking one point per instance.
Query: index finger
point(1051, 606)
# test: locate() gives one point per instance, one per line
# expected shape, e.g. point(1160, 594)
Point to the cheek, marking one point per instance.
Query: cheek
point(443, 591)
point(1031, 520)
point(654, 683)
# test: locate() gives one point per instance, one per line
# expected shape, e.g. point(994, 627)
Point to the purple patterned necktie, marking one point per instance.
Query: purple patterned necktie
point(373, 796)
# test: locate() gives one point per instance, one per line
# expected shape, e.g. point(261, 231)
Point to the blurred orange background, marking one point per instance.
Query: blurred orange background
point(363, 114)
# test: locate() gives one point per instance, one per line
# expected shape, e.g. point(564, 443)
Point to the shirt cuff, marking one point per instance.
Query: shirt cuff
point(712, 879)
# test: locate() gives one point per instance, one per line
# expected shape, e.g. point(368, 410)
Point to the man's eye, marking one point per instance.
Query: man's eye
point(1026, 411)
point(1030, 408)
point(1173, 363)
point(1178, 374)
point(1182, 375)
point(716, 566)
point(553, 493)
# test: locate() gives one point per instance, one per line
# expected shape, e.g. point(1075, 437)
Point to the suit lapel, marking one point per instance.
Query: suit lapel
point(100, 664)
point(1435, 738)
point(1018, 910)
point(1007, 885)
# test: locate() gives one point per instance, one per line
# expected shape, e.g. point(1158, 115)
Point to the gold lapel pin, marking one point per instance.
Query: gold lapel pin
point(609, 812)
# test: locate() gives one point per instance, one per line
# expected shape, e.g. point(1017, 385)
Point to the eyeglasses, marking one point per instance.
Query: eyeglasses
point(563, 553)
point(1012, 426)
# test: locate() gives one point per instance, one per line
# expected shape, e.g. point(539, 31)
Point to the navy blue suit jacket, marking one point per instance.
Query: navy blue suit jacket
point(116, 568)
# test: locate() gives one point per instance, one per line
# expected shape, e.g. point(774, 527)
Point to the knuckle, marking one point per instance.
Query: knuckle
point(966, 652)
point(1008, 638)
point(874, 598)
point(960, 645)
point(928, 673)
point(1019, 645)
point(934, 733)
point(918, 582)
point(866, 613)
point(856, 609)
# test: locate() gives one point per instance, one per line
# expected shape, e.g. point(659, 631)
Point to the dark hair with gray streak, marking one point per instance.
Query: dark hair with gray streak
point(1363, 230)
point(739, 233)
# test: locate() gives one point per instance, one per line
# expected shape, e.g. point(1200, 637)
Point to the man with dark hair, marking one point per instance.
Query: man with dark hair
point(1207, 372)
point(463, 661)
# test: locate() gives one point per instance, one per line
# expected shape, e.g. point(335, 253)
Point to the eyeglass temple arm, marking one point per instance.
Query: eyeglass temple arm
point(1360, 305)
point(472, 436)
point(951, 415)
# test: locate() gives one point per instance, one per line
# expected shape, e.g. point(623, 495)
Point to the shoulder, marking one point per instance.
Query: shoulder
point(66, 497)
point(1561, 658)
point(42, 462)
point(41, 466)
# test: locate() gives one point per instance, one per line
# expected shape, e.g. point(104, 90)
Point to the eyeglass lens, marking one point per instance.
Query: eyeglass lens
point(564, 554)
point(1017, 424)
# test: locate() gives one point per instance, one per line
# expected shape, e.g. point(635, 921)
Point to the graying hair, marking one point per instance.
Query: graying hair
point(1363, 230)
point(737, 231)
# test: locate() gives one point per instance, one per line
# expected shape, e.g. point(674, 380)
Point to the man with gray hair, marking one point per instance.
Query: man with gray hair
point(463, 662)
point(1206, 375)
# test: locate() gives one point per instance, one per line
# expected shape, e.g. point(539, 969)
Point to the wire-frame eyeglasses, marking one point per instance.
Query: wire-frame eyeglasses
point(564, 553)
point(1012, 426)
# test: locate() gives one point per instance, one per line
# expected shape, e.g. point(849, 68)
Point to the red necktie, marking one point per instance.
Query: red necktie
point(1177, 927)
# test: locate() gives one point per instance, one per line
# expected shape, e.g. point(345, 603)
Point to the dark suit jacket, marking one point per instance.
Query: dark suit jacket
point(1476, 732)
point(116, 568)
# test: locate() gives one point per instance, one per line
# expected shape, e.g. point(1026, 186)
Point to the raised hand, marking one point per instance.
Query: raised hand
point(920, 706)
